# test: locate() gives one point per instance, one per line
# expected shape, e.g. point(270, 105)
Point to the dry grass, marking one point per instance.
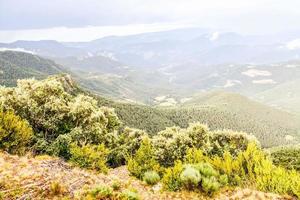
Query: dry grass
point(46, 177)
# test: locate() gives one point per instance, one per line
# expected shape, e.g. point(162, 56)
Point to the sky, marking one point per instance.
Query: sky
point(84, 20)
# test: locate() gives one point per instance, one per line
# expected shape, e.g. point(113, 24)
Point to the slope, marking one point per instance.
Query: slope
point(284, 96)
point(233, 111)
point(19, 65)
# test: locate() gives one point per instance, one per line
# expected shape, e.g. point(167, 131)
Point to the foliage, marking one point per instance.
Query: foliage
point(196, 140)
point(100, 192)
point(15, 133)
point(190, 177)
point(129, 195)
point(172, 143)
point(16, 65)
point(210, 185)
point(287, 157)
point(90, 156)
point(143, 160)
point(171, 179)
point(116, 185)
point(126, 144)
point(252, 165)
point(61, 146)
point(52, 109)
point(230, 141)
point(56, 189)
point(194, 155)
point(151, 177)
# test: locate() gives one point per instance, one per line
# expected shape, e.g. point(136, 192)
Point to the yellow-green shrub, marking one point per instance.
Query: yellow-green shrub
point(143, 160)
point(151, 177)
point(171, 179)
point(90, 156)
point(15, 133)
point(190, 177)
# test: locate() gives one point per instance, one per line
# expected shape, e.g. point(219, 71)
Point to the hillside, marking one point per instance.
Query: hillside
point(219, 110)
point(185, 163)
point(18, 65)
point(285, 96)
point(24, 176)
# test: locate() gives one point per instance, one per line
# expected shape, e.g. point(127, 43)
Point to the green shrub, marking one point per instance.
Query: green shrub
point(210, 185)
point(223, 179)
point(100, 192)
point(190, 177)
point(126, 144)
point(151, 177)
point(231, 141)
point(116, 185)
point(52, 109)
point(193, 156)
point(171, 179)
point(61, 146)
point(90, 157)
point(287, 157)
point(143, 160)
point(129, 195)
point(15, 133)
point(206, 169)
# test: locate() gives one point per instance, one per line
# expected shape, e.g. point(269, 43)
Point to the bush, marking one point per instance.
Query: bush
point(100, 192)
point(56, 189)
point(194, 155)
point(61, 146)
point(126, 144)
point(129, 195)
point(231, 141)
point(192, 143)
point(52, 109)
point(151, 177)
point(287, 157)
point(171, 179)
point(223, 179)
point(210, 185)
point(170, 145)
point(116, 185)
point(206, 169)
point(90, 157)
point(190, 177)
point(15, 133)
point(143, 160)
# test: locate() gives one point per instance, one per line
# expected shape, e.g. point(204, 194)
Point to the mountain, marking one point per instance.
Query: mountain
point(284, 96)
point(179, 46)
point(19, 65)
point(220, 110)
point(233, 111)
point(47, 48)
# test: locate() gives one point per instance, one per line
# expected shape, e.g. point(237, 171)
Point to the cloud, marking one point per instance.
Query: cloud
point(85, 33)
point(293, 45)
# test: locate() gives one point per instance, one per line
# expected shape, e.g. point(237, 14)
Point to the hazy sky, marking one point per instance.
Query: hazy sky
point(72, 20)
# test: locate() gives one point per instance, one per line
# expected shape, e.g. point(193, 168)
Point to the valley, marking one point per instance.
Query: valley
point(188, 113)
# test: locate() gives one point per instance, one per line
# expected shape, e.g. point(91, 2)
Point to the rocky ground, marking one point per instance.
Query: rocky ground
point(44, 177)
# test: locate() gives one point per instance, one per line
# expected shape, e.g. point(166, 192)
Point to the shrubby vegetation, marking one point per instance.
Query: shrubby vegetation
point(63, 123)
point(48, 117)
point(287, 157)
point(19, 65)
point(173, 143)
point(104, 192)
point(15, 133)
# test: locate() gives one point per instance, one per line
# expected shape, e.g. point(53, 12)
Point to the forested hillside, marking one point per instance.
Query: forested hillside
point(220, 111)
point(18, 65)
point(217, 109)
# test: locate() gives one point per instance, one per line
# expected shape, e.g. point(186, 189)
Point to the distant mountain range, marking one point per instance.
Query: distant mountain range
point(166, 68)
